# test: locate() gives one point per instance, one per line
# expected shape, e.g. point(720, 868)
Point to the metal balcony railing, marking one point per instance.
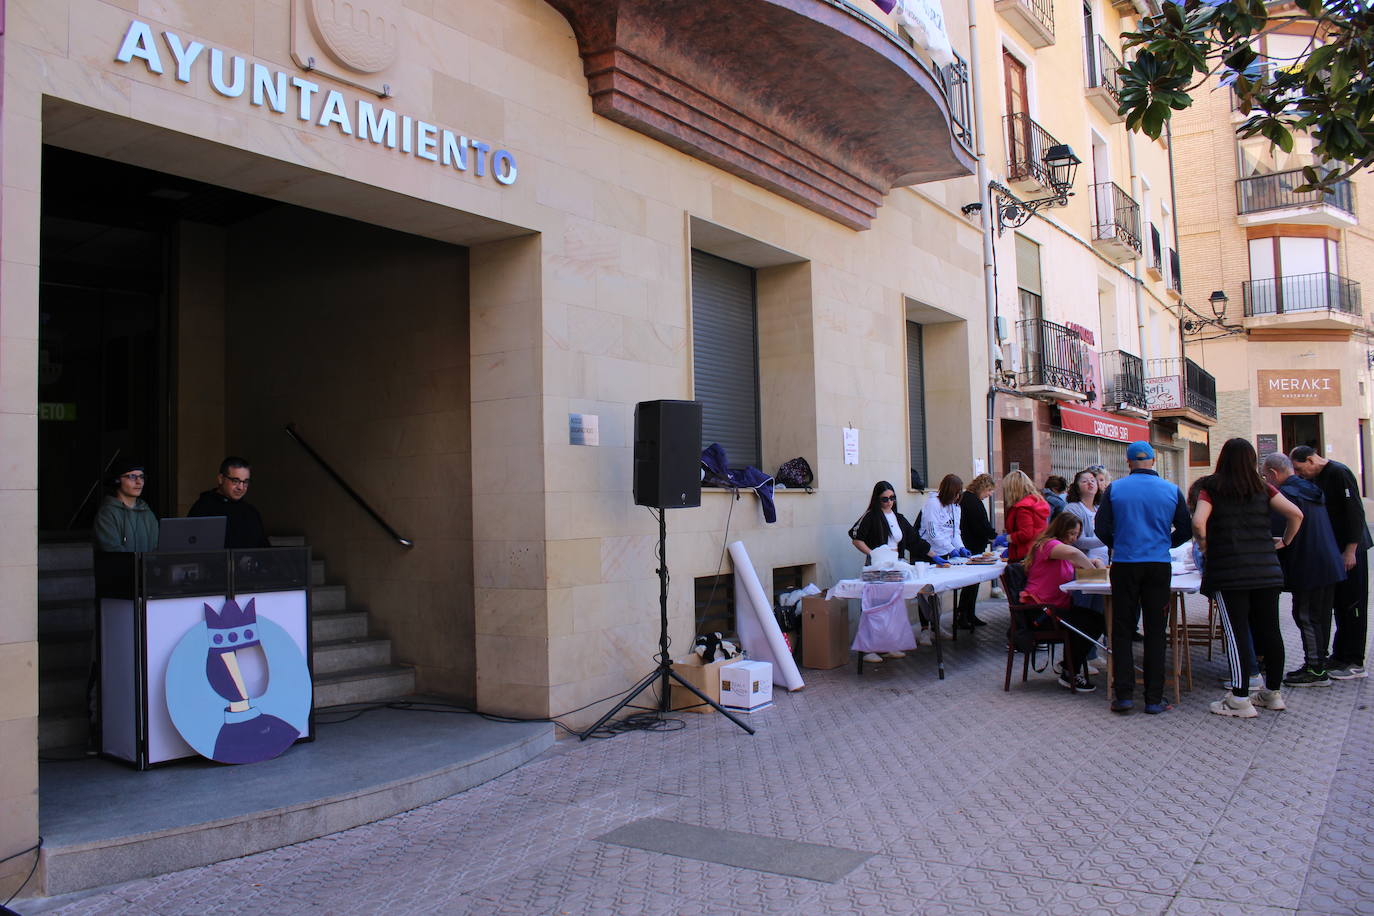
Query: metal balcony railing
point(1027, 143)
point(1156, 249)
point(1123, 380)
point(954, 80)
point(1042, 11)
point(1275, 192)
point(1175, 272)
point(1301, 293)
point(1116, 215)
point(1103, 67)
point(1199, 387)
point(1052, 355)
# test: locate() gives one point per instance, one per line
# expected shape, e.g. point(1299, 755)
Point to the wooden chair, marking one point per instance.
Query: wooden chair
point(1024, 634)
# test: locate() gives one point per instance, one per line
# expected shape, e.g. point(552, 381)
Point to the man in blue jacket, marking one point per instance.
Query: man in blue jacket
point(1140, 518)
point(1312, 567)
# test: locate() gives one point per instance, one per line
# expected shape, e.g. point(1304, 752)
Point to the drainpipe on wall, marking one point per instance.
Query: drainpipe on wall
point(986, 219)
point(1135, 264)
point(1173, 214)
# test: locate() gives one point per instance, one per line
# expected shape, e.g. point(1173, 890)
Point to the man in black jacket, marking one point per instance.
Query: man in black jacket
point(1346, 510)
point(242, 523)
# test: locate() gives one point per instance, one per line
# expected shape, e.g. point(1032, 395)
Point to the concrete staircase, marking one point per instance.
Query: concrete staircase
point(350, 666)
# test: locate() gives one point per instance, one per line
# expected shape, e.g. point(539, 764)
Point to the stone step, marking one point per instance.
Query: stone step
point(286, 540)
point(335, 655)
point(58, 619)
point(65, 584)
point(337, 625)
point(64, 555)
point(62, 688)
point(364, 685)
point(328, 598)
point(63, 728)
point(317, 572)
point(65, 652)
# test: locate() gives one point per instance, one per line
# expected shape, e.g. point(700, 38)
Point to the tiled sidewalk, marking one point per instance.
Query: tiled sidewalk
point(971, 800)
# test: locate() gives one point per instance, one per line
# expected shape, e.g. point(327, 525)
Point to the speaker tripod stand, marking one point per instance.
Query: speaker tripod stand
point(664, 672)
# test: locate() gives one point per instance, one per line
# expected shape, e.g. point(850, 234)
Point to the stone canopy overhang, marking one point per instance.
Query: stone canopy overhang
point(807, 98)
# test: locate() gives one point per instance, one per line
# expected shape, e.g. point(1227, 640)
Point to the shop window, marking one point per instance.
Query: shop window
point(725, 356)
point(916, 405)
point(1199, 455)
point(715, 604)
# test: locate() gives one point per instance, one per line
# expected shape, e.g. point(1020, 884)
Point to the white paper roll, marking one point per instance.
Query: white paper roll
point(772, 648)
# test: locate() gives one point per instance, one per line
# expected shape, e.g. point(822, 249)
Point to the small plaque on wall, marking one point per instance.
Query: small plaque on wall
point(584, 429)
point(1266, 444)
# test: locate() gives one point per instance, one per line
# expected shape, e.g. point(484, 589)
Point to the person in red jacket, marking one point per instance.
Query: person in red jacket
point(1027, 514)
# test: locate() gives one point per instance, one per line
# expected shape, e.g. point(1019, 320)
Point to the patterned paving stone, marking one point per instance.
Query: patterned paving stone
point(972, 800)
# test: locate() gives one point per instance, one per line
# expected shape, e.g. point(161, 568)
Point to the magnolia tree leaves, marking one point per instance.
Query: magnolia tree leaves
point(1324, 92)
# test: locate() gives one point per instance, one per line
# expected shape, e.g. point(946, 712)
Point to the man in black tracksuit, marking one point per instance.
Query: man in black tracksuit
point(1346, 510)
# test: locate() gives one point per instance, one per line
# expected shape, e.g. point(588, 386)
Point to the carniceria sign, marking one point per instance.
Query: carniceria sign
point(231, 76)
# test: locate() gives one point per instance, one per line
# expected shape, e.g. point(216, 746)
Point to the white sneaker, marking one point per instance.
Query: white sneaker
point(1256, 682)
point(894, 655)
point(996, 592)
point(1232, 705)
point(1268, 699)
point(872, 658)
point(925, 638)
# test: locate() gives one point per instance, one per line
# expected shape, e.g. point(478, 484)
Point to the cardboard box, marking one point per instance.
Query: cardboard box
point(825, 632)
point(746, 686)
point(705, 678)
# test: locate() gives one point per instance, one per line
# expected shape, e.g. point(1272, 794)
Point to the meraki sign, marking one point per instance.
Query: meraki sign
point(230, 76)
point(1299, 387)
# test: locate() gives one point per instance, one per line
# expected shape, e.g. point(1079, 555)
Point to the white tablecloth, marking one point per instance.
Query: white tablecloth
point(940, 580)
point(1186, 582)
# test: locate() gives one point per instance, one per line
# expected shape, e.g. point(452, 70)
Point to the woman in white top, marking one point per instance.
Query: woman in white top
point(940, 519)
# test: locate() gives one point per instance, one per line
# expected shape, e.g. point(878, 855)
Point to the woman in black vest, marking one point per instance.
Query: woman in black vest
point(1241, 570)
point(880, 525)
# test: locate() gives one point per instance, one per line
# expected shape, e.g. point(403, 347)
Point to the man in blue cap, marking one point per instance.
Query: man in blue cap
point(1141, 516)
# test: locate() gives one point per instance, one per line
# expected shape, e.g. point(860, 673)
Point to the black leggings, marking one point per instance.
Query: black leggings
point(1252, 613)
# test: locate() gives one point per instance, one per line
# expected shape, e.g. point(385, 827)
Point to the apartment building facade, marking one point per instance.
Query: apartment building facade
point(1285, 332)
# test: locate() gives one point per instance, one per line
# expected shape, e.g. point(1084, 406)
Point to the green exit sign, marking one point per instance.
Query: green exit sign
point(52, 410)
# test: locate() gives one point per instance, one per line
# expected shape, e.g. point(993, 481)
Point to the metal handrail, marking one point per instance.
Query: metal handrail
point(1042, 11)
point(362, 503)
point(1199, 385)
point(1301, 293)
point(1123, 378)
point(1103, 67)
point(954, 80)
point(1054, 355)
point(1027, 143)
point(1275, 192)
point(1116, 215)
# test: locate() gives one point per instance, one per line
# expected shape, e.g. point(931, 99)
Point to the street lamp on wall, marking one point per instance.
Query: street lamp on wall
point(1061, 165)
point(1218, 301)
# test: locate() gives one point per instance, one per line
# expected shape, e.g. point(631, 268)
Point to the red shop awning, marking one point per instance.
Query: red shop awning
point(1099, 423)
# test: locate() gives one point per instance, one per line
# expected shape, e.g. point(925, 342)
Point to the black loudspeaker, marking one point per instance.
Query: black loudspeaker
point(667, 454)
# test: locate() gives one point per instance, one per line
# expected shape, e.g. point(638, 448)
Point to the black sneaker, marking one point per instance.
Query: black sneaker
point(1077, 682)
point(1306, 677)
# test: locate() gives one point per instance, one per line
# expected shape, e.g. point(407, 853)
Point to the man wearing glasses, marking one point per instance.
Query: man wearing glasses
point(124, 523)
point(242, 523)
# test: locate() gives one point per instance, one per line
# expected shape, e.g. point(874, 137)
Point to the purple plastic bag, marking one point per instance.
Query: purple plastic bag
point(884, 626)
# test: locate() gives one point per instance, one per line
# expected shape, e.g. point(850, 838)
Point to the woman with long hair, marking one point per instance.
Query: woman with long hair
point(1083, 499)
point(1027, 514)
point(1242, 571)
point(940, 519)
point(1050, 562)
point(976, 532)
point(882, 525)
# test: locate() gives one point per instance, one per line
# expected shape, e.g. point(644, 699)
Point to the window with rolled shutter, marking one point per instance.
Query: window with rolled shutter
point(725, 356)
point(916, 404)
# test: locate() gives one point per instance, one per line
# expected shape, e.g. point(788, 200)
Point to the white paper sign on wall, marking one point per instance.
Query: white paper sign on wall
point(851, 445)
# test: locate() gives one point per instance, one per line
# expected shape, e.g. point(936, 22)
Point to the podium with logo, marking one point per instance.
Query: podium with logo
point(204, 654)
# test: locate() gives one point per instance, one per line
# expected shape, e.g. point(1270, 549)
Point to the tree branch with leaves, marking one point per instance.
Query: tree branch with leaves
point(1326, 92)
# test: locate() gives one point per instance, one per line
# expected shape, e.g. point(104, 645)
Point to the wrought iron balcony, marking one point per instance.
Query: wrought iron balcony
point(1175, 273)
point(1270, 198)
point(1155, 263)
point(954, 79)
point(1116, 222)
point(1319, 292)
point(1123, 382)
point(1053, 358)
point(1027, 143)
point(1104, 80)
point(1181, 388)
point(1033, 19)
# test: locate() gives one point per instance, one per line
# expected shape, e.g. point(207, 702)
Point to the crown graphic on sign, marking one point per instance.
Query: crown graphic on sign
point(232, 627)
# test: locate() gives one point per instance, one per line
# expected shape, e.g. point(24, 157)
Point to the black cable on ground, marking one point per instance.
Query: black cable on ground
point(32, 868)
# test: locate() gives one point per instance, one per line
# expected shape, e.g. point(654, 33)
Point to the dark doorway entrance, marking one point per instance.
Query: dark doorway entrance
point(1302, 429)
point(1018, 447)
point(108, 240)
